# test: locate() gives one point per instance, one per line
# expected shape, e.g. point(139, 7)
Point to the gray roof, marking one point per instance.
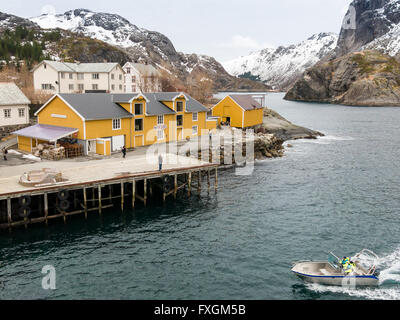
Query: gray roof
point(81, 67)
point(144, 69)
point(45, 132)
point(10, 94)
point(155, 105)
point(247, 102)
point(95, 106)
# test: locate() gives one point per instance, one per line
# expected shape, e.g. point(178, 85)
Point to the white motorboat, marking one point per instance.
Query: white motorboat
point(330, 272)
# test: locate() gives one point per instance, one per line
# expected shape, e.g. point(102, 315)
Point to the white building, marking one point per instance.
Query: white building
point(14, 107)
point(141, 77)
point(65, 77)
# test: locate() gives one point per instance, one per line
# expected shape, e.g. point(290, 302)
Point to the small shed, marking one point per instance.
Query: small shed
point(239, 111)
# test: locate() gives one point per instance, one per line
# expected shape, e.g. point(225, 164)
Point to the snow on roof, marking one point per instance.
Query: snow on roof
point(10, 94)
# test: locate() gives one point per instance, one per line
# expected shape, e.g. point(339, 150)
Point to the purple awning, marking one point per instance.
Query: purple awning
point(46, 132)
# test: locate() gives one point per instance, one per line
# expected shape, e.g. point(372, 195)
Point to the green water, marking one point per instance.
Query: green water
point(339, 193)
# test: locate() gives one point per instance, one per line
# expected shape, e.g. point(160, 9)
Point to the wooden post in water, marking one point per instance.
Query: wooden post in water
point(189, 184)
point(122, 196)
point(208, 180)
point(199, 183)
point(175, 185)
point(99, 191)
point(9, 213)
point(216, 179)
point(85, 201)
point(133, 192)
point(145, 191)
point(46, 207)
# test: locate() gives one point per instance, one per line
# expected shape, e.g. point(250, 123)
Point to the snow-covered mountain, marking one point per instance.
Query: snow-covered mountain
point(280, 67)
point(371, 24)
point(145, 46)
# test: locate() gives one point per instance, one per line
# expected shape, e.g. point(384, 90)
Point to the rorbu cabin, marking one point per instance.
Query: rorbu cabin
point(239, 111)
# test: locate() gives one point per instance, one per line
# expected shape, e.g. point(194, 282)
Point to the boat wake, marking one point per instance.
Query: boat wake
point(389, 282)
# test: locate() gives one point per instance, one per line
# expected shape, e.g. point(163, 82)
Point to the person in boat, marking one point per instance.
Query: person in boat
point(344, 262)
point(350, 267)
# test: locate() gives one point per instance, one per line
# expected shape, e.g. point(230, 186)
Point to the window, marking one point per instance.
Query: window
point(62, 75)
point(112, 87)
point(71, 75)
point(95, 76)
point(95, 86)
point(194, 116)
point(7, 113)
point(79, 76)
point(179, 120)
point(81, 87)
point(120, 87)
point(138, 109)
point(133, 78)
point(116, 124)
point(120, 77)
point(112, 76)
point(179, 106)
point(128, 70)
point(133, 88)
point(21, 112)
point(138, 124)
point(47, 86)
point(160, 134)
point(71, 87)
point(194, 130)
point(160, 119)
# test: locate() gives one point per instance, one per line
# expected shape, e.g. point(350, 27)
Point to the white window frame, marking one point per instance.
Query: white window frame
point(21, 112)
point(62, 75)
point(116, 124)
point(112, 87)
point(95, 86)
point(160, 134)
point(142, 125)
point(80, 76)
point(81, 87)
point(160, 117)
point(71, 86)
point(193, 131)
point(95, 76)
point(112, 76)
point(183, 107)
point(71, 75)
point(7, 113)
point(134, 109)
point(195, 118)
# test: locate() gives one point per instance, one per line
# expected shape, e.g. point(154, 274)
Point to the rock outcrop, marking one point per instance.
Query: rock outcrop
point(367, 78)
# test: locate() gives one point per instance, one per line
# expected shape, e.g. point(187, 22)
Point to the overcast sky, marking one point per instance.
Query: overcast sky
point(224, 29)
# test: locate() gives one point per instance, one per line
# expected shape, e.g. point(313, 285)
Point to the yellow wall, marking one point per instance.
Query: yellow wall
point(253, 117)
point(58, 107)
point(24, 144)
point(229, 108)
point(240, 118)
point(103, 129)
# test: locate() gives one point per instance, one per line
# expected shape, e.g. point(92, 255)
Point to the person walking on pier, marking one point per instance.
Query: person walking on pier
point(160, 161)
point(123, 152)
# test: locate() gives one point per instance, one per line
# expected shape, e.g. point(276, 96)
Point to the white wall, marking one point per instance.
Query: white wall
point(15, 118)
point(44, 75)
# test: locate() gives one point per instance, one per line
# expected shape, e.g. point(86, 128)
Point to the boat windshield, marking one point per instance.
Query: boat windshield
point(333, 260)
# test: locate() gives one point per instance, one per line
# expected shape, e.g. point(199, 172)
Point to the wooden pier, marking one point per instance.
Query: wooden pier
point(98, 185)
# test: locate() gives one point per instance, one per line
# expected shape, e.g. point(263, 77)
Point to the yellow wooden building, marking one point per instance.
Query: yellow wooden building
point(103, 123)
point(240, 111)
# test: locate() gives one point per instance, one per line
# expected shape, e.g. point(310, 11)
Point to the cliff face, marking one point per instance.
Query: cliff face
point(367, 78)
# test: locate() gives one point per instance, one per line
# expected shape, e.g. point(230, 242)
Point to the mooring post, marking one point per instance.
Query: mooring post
point(199, 182)
point(85, 201)
point(99, 191)
point(216, 178)
point(122, 196)
point(208, 180)
point(9, 213)
point(175, 185)
point(145, 191)
point(46, 207)
point(133, 192)
point(189, 183)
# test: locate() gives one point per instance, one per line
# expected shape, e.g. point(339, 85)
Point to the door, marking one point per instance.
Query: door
point(91, 146)
point(117, 143)
point(179, 133)
point(139, 141)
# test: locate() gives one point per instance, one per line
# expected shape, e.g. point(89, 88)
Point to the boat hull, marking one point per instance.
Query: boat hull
point(340, 280)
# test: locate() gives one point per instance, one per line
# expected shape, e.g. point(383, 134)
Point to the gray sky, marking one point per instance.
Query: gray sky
point(224, 29)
